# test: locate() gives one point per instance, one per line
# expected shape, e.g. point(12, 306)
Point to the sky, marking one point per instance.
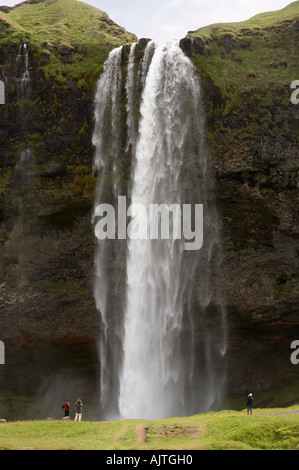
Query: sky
point(168, 20)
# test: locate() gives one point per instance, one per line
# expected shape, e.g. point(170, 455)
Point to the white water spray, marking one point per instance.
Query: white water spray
point(161, 370)
point(22, 72)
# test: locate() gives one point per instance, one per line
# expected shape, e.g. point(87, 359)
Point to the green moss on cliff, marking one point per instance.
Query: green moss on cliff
point(250, 54)
point(68, 42)
point(70, 38)
point(246, 70)
point(262, 20)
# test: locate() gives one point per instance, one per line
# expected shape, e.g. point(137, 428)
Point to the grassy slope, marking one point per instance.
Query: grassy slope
point(261, 20)
point(69, 42)
point(256, 53)
point(252, 63)
point(52, 26)
point(66, 22)
point(7, 22)
point(221, 430)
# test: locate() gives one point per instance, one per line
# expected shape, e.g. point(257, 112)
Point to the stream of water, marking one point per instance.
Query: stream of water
point(166, 357)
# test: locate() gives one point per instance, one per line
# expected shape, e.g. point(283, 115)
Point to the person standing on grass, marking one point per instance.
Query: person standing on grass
point(66, 408)
point(249, 403)
point(78, 414)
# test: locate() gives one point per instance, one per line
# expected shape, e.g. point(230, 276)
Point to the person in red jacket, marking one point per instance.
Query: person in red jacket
point(66, 408)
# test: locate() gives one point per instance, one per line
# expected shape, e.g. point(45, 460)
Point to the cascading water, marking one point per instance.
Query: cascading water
point(25, 165)
point(25, 168)
point(22, 72)
point(162, 346)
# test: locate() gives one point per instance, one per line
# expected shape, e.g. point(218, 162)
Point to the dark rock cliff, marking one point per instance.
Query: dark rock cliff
point(252, 133)
point(48, 319)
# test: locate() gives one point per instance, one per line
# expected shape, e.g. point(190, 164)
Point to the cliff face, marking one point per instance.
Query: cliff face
point(252, 129)
point(48, 320)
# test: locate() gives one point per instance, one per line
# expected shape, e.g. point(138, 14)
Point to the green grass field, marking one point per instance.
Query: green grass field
point(275, 429)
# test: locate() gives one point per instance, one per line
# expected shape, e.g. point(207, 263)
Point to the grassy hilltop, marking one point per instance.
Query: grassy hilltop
point(52, 26)
point(66, 22)
point(260, 51)
point(247, 68)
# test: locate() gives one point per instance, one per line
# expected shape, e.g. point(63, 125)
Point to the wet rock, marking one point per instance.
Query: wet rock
point(54, 170)
point(192, 46)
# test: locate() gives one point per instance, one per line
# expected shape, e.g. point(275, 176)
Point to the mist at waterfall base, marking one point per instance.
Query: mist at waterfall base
point(163, 330)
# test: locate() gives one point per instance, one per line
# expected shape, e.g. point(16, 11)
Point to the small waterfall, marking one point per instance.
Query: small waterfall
point(162, 347)
point(23, 89)
point(25, 167)
point(22, 72)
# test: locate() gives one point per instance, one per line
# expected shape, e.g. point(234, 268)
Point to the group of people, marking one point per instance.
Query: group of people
point(66, 407)
point(79, 405)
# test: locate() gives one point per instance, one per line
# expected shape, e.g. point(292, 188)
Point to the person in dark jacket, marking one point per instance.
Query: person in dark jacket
point(249, 403)
point(66, 408)
point(78, 414)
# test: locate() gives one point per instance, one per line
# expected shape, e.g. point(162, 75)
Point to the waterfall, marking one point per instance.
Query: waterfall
point(163, 345)
point(108, 141)
point(22, 72)
point(25, 166)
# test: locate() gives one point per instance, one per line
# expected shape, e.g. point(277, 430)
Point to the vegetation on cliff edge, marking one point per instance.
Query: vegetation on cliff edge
point(60, 27)
point(262, 51)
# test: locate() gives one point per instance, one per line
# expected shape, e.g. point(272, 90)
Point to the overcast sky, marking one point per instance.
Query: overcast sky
point(165, 20)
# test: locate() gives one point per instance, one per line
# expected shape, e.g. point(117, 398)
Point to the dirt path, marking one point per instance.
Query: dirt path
point(141, 432)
